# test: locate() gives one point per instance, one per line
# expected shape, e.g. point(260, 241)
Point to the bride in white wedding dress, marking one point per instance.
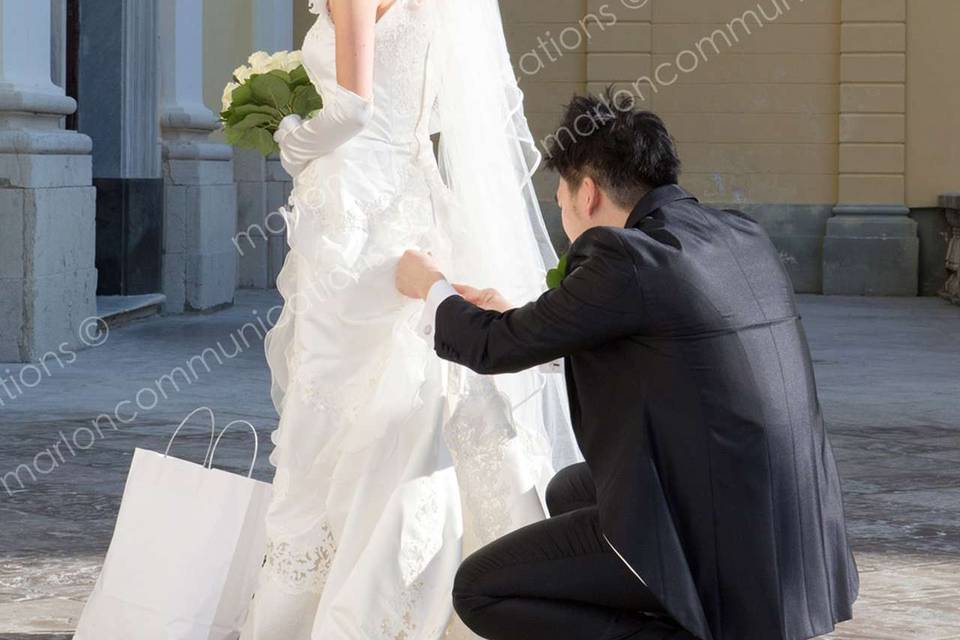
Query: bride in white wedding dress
point(391, 465)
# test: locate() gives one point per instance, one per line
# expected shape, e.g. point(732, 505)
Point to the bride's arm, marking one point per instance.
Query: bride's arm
point(349, 108)
point(356, 22)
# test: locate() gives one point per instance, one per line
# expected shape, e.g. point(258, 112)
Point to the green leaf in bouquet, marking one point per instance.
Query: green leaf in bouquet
point(316, 101)
point(299, 77)
point(238, 114)
point(310, 103)
point(247, 109)
point(302, 99)
point(259, 139)
point(283, 75)
point(242, 95)
point(270, 90)
point(233, 135)
point(254, 121)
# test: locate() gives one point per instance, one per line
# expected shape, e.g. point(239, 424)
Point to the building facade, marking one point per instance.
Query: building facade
point(835, 122)
point(115, 189)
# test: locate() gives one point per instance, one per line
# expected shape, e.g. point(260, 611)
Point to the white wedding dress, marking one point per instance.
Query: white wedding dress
point(391, 464)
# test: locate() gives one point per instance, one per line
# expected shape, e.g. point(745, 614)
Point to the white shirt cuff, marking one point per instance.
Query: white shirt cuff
point(440, 291)
point(552, 367)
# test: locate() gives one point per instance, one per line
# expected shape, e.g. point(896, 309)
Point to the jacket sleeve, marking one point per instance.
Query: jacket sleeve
point(600, 300)
point(343, 116)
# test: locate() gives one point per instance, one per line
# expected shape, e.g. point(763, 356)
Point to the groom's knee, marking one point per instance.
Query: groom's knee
point(467, 599)
point(557, 491)
point(569, 490)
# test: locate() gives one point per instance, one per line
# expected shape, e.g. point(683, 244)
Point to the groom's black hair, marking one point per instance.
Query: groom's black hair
point(626, 151)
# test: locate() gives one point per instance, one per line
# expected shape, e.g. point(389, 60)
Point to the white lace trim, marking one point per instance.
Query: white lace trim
point(302, 568)
point(422, 536)
point(477, 436)
point(403, 623)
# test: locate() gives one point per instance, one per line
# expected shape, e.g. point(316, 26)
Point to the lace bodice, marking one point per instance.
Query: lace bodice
point(404, 87)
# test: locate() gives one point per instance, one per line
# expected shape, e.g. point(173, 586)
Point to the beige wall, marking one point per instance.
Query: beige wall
point(829, 102)
point(756, 123)
point(547, 78)
point(933, 100)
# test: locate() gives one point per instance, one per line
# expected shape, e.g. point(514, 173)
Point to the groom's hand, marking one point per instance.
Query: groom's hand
point(487, 299)
point(416, 273)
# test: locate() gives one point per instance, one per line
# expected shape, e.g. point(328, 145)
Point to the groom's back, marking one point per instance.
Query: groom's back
point(734, 426)
point(715, 271)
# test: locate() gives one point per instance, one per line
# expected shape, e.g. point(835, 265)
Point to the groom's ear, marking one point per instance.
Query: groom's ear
point(590, 196)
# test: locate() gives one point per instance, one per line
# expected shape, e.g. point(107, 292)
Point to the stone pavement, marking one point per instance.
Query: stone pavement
point(889, 379)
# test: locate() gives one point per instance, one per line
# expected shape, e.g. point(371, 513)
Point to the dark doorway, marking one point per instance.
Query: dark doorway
point(130, 190)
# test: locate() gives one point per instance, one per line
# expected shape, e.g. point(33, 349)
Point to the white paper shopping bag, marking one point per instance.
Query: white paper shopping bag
point(185, 553)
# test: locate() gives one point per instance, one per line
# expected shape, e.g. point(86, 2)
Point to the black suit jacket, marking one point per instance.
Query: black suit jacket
point(693, 401)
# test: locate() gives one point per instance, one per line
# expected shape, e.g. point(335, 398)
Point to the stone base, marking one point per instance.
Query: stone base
point(200, 221)
point(47, 277)
point(871, 251)
point(797, 231)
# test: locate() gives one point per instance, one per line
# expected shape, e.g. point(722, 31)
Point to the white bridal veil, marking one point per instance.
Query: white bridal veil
point(488, 157)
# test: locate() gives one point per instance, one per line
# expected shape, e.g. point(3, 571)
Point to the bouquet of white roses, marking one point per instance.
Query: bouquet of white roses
point(262, 93)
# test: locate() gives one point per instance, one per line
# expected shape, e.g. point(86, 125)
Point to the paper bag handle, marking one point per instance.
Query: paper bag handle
point(256, 444)
point(183, 422)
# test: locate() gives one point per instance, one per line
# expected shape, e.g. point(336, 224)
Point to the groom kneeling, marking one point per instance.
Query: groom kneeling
point(709, 505)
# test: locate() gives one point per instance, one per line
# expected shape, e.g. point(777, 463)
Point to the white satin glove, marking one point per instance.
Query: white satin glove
point(344, 115)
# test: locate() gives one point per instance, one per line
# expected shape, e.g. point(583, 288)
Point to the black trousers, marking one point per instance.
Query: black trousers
point(559, 579)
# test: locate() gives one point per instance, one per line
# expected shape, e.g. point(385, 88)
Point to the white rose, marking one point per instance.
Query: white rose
point(242, 74)
point(258, 61)
point(276, 61)
point(228, 95)
point(294, 60)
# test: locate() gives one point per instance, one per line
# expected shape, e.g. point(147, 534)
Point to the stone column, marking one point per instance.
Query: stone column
point(262, 184)
point(200, 203)
point(47, 204)
point(951, 205)
point(871, 247)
